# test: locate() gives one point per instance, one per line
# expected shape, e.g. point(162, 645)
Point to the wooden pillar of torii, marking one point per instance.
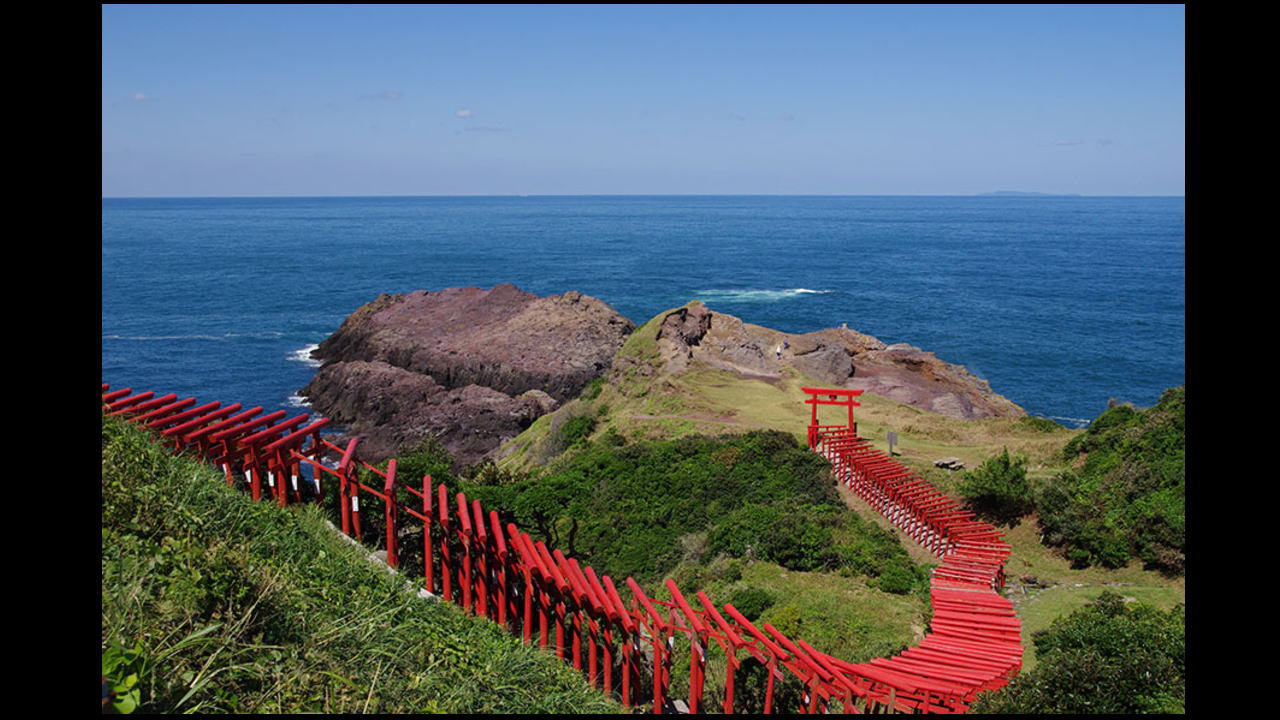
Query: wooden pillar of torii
point(834, 396)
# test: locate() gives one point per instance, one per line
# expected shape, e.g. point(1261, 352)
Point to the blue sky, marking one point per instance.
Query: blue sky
point(543, 99)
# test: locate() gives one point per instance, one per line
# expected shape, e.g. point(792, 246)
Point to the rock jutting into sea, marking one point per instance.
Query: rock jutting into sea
point(835, 357)
point(473, 367)
point(476, 367)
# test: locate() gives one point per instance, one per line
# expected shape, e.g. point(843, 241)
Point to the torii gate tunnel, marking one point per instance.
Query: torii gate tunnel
point(627, 648)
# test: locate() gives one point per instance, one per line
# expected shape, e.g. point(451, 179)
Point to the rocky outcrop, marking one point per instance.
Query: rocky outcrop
point(476, 367)
point(502, 338)
point(391, 409)
point(833, 357)
point(473, 367)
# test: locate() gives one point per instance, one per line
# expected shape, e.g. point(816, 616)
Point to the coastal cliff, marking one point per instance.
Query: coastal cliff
point(476, 368)
point(473, 367)
point(694, 335)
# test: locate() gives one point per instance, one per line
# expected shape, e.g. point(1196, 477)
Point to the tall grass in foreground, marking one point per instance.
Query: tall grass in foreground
point(213, 603)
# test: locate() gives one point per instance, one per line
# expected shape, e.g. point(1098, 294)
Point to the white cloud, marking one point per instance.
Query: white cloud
point(464, 113)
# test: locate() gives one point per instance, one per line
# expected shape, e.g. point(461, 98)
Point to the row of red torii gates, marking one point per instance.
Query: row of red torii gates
point(629, 648)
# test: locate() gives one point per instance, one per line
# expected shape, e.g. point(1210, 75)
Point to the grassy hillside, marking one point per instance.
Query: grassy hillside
point(213, 603)
point(1125, 494)
point(639, 402)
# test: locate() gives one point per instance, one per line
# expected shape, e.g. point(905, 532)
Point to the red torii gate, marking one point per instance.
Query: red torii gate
point(816, 430)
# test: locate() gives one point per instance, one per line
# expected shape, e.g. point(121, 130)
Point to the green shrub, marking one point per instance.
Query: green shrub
point(689, 577)
point(1040, 424)
point(487, 472)
point(576, 429)
point(998, 489)
point(751, 601)
point(900, 578)
point(1108, 657)
point(726, 569)
point(429, 457)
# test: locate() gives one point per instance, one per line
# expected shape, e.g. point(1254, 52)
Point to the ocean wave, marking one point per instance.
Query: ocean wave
point(304, 356)
point(758, 295)
point(1077, 422)
point(298, 401)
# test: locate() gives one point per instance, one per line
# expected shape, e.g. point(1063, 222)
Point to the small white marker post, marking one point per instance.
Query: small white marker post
point(892, 437)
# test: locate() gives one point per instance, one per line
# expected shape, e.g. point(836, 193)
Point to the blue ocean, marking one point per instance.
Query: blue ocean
point(1059, 302)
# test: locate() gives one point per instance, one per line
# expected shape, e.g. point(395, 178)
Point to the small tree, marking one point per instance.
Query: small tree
point(998, 489)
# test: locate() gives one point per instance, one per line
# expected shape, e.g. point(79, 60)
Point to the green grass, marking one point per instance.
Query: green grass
point(212, 603)
point(839, 615)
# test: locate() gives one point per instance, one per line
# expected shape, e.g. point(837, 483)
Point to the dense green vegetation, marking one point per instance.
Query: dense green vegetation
point(998, 490)
point(1108, 657)
point(643, 509)
point(213, 603)
point(1125, 495)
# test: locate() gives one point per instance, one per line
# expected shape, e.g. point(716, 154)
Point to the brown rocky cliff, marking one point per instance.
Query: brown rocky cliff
point(471, 366)
point(835, 357)
point(503, 338)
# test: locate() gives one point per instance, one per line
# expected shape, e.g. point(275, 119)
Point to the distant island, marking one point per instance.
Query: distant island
point(1019, 193)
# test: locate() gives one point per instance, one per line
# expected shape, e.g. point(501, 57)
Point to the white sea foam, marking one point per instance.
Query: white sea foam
point(164, 337)
point(298, 401)
point(758, 295)
point(1077, 422)
point(304, 356)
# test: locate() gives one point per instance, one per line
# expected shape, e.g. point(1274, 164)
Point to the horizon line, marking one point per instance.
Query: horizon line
point(999, 193)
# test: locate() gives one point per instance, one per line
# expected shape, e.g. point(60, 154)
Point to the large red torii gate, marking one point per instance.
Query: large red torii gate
point(833, 395)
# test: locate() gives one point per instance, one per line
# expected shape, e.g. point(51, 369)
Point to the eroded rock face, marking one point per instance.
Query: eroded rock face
point(391, 409)
point(834, 357)
point(472, 366)
point(502, 338)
